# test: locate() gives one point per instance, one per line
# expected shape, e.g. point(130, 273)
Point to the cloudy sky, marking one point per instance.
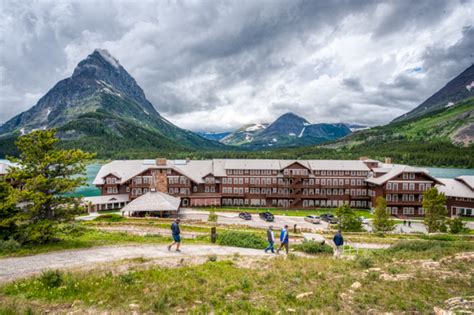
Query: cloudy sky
point(215, 65)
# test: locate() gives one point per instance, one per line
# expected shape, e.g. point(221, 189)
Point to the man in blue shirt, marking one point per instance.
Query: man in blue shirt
point(284, 239)
point(339, 242)
point(175, 232)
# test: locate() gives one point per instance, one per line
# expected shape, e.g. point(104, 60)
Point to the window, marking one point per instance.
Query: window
point(408, 210)
point(412, 186)
point(421, 211)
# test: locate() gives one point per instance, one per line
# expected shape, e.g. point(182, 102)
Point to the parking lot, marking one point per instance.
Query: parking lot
point(232, 218)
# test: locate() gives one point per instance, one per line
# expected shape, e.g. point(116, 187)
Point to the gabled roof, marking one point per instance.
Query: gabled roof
point(468, 180)
point(455, 188)
point(396, 170)
point(153, 201)
point(112, 173)
point(106, 199)
point(286, 163)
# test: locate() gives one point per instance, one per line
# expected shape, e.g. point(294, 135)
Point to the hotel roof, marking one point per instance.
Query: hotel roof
point(153, 201)
point(453, 187)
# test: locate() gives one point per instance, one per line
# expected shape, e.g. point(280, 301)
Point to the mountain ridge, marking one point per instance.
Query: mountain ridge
point(459, 88)
point(101, 87)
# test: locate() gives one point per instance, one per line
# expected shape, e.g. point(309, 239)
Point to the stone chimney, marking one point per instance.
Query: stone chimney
point(388, 160)
point(160, 162)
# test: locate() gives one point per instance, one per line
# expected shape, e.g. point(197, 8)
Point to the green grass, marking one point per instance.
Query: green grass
point(268, 287)
point(291, 212)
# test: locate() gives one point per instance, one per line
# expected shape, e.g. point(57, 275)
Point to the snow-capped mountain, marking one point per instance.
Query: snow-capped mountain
point(103, 102)
point(288, 130)
point(244, 134)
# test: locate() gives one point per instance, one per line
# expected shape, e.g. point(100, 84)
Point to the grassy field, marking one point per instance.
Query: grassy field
point(292, 212)
point(410, 277)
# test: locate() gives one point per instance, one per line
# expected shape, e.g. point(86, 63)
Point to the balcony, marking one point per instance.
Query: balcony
point(360, 197)
point(404, 203)
point(404, 191)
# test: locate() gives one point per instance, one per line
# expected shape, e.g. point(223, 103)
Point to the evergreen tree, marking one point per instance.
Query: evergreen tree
point(434, 204)
point(348, 220)
point(46, 173)
point(382, 222)
point(8, 211)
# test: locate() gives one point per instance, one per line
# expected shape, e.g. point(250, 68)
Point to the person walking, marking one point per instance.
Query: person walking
point(409, 223)
point(175, 232)
point(271, 239)
point(339, 242)
point(284, 239)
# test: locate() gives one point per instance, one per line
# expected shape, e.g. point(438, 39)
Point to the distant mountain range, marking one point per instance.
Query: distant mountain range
point(289, 130)
point(102, 108)
point(458, 89)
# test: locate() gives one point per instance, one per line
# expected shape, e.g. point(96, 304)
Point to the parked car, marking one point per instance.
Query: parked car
point(364, 220)
point(312, 219)
point(245, 216)
point(329, 218)
point(267, 216)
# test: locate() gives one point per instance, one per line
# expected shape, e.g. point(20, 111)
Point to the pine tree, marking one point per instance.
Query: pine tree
point(382, 222)
point(434, 204)
point(46, 173)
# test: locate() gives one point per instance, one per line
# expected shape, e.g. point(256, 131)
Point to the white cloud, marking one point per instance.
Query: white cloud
point(217, 65)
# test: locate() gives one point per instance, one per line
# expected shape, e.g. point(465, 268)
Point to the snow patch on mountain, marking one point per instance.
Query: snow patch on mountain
point(469, 87)
point(301, 133)
point(255, 127)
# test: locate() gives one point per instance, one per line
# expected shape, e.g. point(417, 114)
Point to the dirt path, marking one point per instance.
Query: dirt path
point(20, 267)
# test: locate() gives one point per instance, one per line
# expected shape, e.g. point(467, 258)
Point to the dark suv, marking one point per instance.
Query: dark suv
point(329, 218)
point(245, 216)
point(267, 216)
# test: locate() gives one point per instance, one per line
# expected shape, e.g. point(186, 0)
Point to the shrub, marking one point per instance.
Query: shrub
point(127, 278)
point(39, 232)
point(9, 246)
point(348, 220)
point(423, 246)
point(241, 239)
point(110, 217)
point(212, 216)
point(365, 262)
point(73, 229)
point(312, 247)
point(212, 258)
point(51, 278)
point(456, 226)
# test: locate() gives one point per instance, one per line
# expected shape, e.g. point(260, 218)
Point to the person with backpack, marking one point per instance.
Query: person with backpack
point(339, 242)
point(271, 239)
point(284, 239)
point(175, 232)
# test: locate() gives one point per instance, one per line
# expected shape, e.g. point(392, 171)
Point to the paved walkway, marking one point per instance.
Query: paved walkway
point(20, 267)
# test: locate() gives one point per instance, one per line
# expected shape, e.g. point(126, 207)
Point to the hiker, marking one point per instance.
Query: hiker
point(175, 231)
point(409, 223)
point(271, 239)
point(284, 239)
point(339, 242)
point(404, 222)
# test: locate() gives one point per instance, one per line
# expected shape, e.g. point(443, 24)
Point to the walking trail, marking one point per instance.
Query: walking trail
point(20, 267)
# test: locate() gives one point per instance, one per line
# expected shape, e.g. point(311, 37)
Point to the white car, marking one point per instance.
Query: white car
point(312, 219)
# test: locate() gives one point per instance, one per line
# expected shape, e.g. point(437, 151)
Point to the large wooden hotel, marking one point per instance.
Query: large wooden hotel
point(280, 183)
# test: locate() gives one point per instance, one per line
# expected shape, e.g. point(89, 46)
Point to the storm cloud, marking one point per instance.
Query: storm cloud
point(215, 65)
